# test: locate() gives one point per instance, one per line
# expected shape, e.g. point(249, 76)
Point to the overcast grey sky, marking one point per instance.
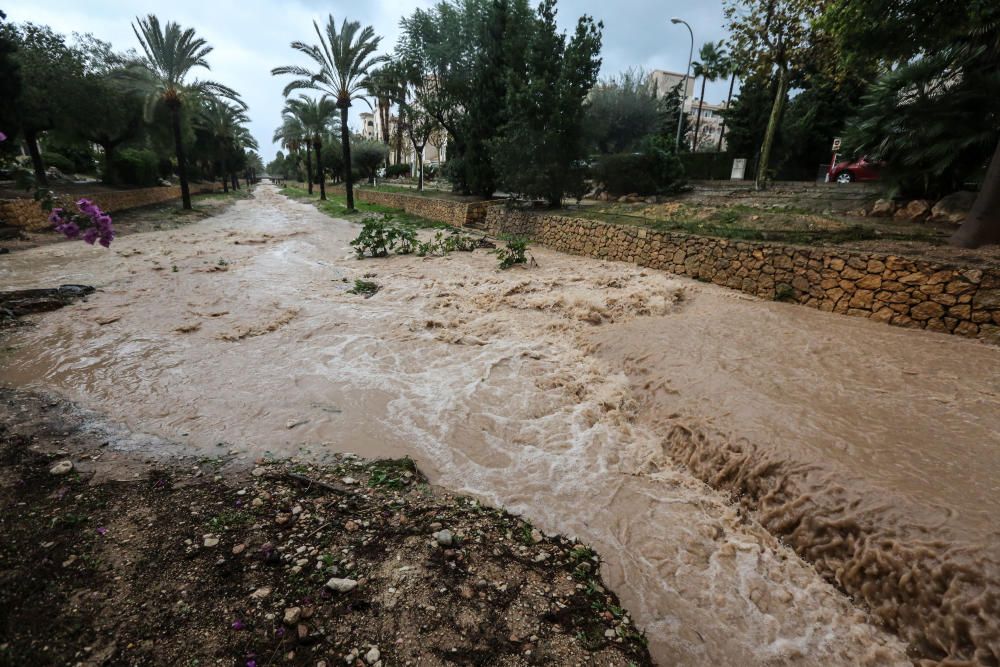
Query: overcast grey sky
point(252, 36)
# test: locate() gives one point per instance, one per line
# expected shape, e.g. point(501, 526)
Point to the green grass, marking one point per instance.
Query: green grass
point(427, 192)
point(335, 206)
point(723, 225)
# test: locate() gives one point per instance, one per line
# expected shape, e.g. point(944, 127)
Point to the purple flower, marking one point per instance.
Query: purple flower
point(70, 230)
point(90, 235)
point(102, 531)
point(238, 625)
point(3, 137)
point(251, 663)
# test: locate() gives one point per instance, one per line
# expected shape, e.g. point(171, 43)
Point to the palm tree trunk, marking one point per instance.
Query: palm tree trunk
point(760, 182)
point(697, 122)
point(320, 172)
point(982, 224)
point(309, 169)
point(222, 170)
point(175, 125)
point(31, 138)
point(729, 99)
point(345, 141)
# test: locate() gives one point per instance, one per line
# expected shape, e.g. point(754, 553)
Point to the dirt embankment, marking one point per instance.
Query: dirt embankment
point(128, 558)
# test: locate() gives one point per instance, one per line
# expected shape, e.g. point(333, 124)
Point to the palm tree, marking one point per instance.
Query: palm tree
point(225, 124)
point(170, 54)
point(707, 68)
point(343, 58)
point(727, 67)
point(386, 86)
point(315, 116)
point(291, 135)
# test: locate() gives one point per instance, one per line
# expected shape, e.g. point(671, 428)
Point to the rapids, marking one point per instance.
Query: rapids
point(597, 399)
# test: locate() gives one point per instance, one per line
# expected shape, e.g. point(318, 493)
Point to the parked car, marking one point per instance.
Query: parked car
point(862, 169)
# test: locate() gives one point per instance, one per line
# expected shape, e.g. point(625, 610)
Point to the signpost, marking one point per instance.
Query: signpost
point(739, 169)
point(833, 160)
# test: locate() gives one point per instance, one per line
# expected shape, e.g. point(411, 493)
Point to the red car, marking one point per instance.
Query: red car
point(864, 169)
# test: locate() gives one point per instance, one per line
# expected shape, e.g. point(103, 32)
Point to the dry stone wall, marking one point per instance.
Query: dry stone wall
point(28, 213)
point(457, 213)
point(885, 288)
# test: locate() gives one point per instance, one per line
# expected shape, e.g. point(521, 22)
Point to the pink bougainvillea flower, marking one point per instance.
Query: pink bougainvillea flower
point(238, 625)
point(102, 531)
point(3, 137)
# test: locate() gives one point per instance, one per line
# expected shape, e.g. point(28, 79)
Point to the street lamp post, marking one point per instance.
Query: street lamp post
point(680, 110)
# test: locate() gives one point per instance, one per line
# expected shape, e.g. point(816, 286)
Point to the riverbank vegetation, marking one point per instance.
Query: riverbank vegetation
point(129, 118)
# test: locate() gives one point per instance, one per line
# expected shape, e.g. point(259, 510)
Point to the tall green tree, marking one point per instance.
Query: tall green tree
point(621, 111)
point(106, 112)
point(343, 60)
point(441, 46)
point(162, 76)
point(541, 147)
point(774, 37)
point(316, 116)
point(50, 72)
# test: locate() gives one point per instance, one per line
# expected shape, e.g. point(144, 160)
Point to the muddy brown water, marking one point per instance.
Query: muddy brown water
point(595, 398)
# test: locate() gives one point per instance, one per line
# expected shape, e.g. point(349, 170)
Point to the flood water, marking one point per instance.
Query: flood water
point(595, 398)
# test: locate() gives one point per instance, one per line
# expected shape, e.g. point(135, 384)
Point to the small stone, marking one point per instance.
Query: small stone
point(258, 472)
point(261, 593)
point(349, 480)
point(609, 633)
point(536, 535)
point(302, 630)
point(444, 537)
point(373, 655)
point(61, 468)
point(292, 615)
point(211, 541)
point(341, 585)
point(256, 502)
point(351, 526)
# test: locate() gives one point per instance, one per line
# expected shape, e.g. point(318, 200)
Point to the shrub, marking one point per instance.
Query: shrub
point(374, 239)
point(513, 253)
point(654, 170)
point(396, 170)
point(81, 156)
point(379, 236)
point(135, 166)
point(364, 288)
point(59, 161)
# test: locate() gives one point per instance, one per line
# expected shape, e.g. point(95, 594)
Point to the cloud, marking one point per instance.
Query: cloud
point(252, 36)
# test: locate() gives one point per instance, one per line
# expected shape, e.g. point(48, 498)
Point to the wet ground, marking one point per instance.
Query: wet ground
point(595, 398)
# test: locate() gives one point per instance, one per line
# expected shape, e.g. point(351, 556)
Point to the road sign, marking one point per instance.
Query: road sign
point(836, 144)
